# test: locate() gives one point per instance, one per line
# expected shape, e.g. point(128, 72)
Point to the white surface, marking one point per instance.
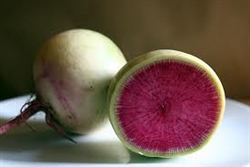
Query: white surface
point(230, 147)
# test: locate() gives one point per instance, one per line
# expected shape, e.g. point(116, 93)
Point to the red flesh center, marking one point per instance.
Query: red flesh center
point(168, 107)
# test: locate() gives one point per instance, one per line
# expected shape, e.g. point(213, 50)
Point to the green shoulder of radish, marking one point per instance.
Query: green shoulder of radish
point(72, 73)
point(165, 103)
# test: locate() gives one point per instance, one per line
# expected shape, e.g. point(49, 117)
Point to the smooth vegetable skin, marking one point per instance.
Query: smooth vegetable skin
point(72, 73)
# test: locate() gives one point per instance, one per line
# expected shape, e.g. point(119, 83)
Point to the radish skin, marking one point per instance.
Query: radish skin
point(72, 73)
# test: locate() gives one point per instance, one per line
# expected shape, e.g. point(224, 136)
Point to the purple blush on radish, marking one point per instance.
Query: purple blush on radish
point(166, 103)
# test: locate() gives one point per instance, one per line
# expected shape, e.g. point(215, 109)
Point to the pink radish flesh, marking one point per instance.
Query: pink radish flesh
point(168, 106)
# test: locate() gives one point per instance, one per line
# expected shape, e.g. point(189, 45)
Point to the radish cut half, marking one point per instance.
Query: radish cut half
point(166, 103)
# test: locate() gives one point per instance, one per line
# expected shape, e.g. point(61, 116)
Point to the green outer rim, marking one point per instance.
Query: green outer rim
point(142, 61)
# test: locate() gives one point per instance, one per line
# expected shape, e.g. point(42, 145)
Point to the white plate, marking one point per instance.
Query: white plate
point(230, 147)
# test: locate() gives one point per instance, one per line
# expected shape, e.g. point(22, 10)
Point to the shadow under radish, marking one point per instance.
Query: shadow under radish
point(37, 142)
point(48, 147)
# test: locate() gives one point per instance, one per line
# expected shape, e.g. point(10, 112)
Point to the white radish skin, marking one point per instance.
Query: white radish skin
point(72, 73)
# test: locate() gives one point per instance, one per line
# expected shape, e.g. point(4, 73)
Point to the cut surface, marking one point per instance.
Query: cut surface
point(167, 107)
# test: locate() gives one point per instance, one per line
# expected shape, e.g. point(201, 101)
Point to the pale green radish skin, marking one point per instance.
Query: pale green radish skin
point(72, 73)
point(140, 61)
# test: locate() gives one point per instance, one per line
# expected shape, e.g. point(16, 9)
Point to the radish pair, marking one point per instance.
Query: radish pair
point(164, 103)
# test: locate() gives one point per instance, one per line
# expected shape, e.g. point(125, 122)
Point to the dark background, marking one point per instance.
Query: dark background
point(216, 31)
